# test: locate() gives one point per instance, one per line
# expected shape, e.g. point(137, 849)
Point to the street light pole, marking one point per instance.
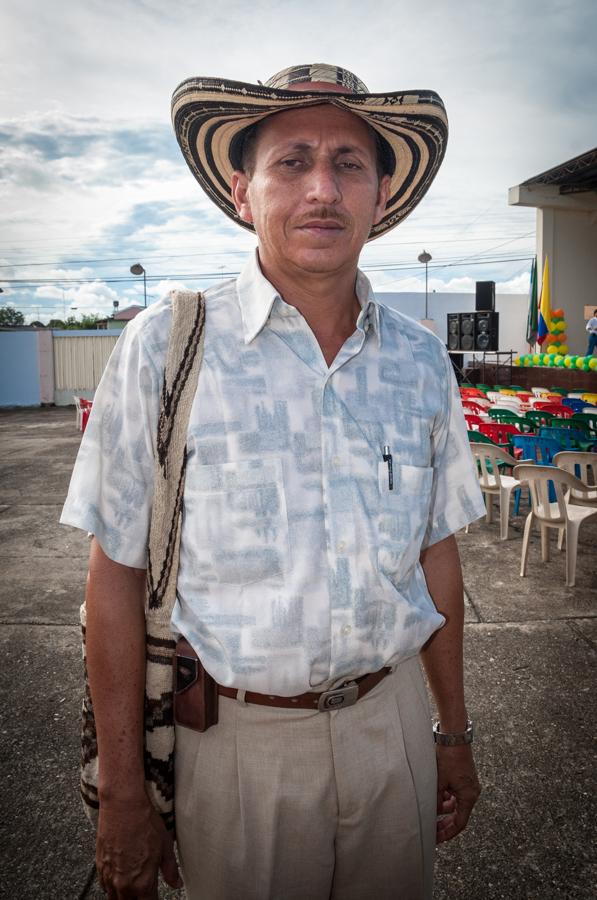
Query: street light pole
point(138, 269)
point(426, 258)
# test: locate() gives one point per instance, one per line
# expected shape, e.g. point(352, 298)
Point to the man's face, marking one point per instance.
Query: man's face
point(314, 190)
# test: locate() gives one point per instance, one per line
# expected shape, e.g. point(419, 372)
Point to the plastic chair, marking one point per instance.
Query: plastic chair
point(471, 406)
point(479, 437)
point(538, 417)
point(566, 518)
point(558, 409)
point(472, 420)
point(541, 450)
point(574, 403)
point(499, 432)
point(559, 390)
point(499, 414)
point(471, 392)
point(540, 391)
point(568, 438)
point(581, 433)
point(78, 412)
point(494, 483)
point(589, 419)
point(584, 467)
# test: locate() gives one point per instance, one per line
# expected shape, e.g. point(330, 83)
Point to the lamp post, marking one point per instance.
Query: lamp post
point(426, 258)
point(138, 269)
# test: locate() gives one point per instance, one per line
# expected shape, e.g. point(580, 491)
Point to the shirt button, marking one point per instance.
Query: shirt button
point(335, 461)
point(346, 630)
point(341, 546)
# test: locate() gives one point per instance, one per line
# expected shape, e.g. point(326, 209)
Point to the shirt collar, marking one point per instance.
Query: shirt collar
point(257, 297)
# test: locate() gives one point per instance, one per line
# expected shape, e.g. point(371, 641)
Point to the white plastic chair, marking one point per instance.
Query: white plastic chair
point(565, 517)
point(79, 412)
point(585, 464)
point(494, 483)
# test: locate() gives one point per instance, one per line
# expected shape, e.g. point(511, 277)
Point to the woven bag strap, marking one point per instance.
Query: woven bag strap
point(181, 374)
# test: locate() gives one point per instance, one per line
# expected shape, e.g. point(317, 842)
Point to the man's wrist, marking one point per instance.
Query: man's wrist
point(453, 738)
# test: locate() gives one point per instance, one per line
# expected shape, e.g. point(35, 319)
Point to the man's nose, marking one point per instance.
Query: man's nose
point(324, 184)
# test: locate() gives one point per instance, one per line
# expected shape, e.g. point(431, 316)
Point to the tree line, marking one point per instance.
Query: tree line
point(10, 318)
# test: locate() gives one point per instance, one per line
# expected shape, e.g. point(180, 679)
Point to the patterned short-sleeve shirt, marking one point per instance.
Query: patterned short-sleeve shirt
point(299, 558)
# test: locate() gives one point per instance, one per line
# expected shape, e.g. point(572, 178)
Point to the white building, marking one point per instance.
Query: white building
point(566, 201)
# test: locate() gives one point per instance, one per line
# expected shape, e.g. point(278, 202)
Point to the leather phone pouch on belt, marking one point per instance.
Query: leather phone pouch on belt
point(195, 691)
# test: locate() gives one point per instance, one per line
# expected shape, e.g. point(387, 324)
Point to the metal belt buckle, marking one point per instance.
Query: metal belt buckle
point(338, 698)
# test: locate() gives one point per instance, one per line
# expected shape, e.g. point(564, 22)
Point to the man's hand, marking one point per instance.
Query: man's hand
point(132, 845)
point(458, 790)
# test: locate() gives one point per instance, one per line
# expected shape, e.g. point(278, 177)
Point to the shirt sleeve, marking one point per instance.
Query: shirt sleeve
point(111, 488)
point(456, 498)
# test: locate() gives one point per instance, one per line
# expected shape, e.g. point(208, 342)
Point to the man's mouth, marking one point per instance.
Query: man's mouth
point(321, 226)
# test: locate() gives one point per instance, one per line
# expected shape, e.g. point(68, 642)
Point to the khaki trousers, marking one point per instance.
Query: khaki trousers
point(284, 804)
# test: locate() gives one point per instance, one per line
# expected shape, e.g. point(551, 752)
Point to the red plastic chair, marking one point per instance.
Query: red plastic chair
point(499, 432)
point(473, 421)
point(557, 409)
point(471, 392)
point(473, 407)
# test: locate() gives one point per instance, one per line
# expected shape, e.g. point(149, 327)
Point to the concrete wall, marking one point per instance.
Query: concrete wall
point(569, 238)
point(513, 309)
point(19, 369)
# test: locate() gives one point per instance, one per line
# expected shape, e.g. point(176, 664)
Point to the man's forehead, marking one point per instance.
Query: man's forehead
point(298, 125)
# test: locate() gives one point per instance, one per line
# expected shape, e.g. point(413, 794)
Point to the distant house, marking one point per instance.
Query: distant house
point(117, 321)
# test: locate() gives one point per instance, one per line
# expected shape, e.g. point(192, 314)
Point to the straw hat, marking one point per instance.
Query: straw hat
point(210, 116)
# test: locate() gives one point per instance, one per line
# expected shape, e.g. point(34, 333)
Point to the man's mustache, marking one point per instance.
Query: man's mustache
point(325, 213)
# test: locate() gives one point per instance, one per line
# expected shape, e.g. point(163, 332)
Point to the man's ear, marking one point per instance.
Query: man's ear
point(240, 195)
point(383, 193)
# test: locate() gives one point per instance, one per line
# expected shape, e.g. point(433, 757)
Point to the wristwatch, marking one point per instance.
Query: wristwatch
point(453, 740)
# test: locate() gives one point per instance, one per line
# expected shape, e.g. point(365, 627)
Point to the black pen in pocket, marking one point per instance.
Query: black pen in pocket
point(387, 458)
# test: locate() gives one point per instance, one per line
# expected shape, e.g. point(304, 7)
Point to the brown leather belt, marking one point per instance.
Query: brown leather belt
point(337, 698)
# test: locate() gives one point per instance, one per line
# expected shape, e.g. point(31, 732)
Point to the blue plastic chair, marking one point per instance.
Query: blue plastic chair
point(541, 449)
point(568, 438)
point(575, 403)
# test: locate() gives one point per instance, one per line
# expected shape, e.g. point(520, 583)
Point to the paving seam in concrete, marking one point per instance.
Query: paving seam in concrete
point(510, 623)
point(578, 633)
point(473, 605)
point(35, 624)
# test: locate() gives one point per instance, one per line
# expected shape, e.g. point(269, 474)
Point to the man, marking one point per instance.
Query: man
point(592, 329)
point(328, 469)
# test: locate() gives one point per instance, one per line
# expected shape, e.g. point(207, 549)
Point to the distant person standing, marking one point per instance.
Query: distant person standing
point(592, 329)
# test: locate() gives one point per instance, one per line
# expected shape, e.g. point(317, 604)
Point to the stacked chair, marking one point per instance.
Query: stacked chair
point(541, 440)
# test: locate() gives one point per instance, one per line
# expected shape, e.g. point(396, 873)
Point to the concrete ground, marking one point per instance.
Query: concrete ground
point(530, 665)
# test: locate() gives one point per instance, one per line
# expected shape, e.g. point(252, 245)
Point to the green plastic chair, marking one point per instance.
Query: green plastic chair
point(589, 419)
point(477, 438)
point(580, 434)
point(483, 387)
point(538, 417)
point(505, 415)
point(557, 390)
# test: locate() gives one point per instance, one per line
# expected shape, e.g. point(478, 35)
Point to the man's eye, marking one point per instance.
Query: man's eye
point(291, 163)
point(350, 165)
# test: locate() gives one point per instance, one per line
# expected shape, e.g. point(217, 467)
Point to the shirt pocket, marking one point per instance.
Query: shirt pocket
point(236, 522)
point(403, 518)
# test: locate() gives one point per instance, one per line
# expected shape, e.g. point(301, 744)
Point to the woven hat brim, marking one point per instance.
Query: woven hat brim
point(208, 114)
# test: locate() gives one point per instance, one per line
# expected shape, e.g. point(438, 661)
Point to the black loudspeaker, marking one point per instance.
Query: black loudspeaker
point(485, 296)
point(453, 331)
point(467, 331)
point(487, 330)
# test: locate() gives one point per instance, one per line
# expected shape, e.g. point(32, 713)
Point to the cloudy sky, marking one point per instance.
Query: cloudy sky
point(92, 179)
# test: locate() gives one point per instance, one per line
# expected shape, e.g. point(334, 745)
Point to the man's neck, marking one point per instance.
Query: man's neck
point(327, 301)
